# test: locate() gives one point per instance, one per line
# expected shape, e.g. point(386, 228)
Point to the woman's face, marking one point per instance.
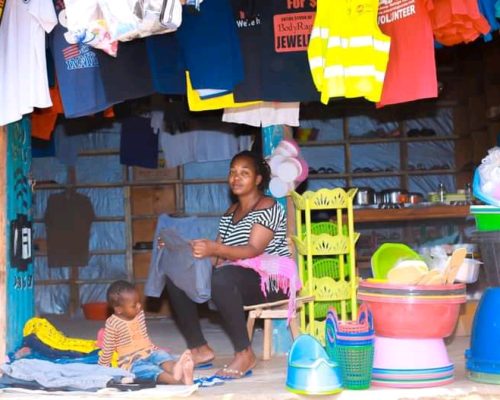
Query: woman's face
point(243, 177)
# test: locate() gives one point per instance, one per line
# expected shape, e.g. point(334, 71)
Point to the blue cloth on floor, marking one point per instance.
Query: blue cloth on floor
point(51, 375)
point(38, 346)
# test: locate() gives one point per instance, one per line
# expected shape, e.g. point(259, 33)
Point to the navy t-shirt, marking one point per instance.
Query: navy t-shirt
point(78, 72)
point(210, 46)
point(167, 64)
point(138, 143)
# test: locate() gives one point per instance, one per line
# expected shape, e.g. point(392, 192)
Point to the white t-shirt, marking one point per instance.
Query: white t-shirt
point(264, 114)
point(23, 68)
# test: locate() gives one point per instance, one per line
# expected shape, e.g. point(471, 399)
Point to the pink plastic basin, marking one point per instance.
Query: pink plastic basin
point(414, 316)
point(410, 354)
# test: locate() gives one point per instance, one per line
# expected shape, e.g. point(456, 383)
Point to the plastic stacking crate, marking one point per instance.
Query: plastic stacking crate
point(489, 246)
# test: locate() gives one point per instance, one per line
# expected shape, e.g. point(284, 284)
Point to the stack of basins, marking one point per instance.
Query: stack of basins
point(350, 345)
point(410, 325)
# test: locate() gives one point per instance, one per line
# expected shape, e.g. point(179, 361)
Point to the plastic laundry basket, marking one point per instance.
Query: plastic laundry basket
point(356, 363)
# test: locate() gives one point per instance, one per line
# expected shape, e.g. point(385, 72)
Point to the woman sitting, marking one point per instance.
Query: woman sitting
point(253, 226)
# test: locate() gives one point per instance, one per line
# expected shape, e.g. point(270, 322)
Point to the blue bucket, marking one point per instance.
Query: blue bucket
point(484, 352)
point(310, 371)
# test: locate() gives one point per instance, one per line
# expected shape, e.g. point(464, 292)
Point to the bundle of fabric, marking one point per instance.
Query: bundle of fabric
point(42, 340)
point(458, 21)
point(46, 375)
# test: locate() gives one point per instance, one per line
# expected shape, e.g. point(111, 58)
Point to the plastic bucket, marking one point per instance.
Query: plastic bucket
point(484, 352)
point(97, 311)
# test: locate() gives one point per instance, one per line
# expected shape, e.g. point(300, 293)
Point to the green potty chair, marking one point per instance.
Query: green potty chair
point(310, 370)
point(387, 255)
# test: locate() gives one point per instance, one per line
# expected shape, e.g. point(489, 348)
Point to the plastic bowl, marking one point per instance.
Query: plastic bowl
point(98, 311)
point(419, 354)
point(432, 315)
point(387, 255)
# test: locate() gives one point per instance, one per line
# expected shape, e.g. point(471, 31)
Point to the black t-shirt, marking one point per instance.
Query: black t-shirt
point(68, 219)
point(286, 27)
point(248, 23)
point(128, 76)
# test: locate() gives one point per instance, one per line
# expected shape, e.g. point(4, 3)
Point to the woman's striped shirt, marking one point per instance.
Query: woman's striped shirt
point(238, 234)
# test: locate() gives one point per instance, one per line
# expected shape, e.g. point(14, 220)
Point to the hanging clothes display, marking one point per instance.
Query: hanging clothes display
point(347, 52)
point(68, 219)
point(411, 71)
point(23, 68)
point(77, 70)
point(457, 21)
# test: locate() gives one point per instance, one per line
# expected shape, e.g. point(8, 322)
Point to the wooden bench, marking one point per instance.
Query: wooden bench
point(270, 311)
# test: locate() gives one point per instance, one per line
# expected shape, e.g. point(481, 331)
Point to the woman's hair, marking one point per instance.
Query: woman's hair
point(115, 291)
point(261, 167)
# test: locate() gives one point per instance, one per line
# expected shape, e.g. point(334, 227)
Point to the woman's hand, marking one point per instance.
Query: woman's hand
point(160, 243)
point(204, 248)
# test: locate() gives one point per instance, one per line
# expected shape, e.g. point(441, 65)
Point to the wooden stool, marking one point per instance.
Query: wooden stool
point(268, 312)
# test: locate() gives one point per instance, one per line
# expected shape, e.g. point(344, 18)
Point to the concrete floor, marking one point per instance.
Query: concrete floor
point(268, 379)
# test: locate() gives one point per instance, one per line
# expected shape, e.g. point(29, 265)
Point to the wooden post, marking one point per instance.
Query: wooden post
point(3, 247)
point(19, 275)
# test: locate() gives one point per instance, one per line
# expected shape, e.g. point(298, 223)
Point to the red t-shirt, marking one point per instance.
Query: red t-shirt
point(411, 71)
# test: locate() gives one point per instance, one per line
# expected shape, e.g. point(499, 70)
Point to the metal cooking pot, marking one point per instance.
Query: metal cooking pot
point(365, 196)
point(415, 198)
point(394, 196)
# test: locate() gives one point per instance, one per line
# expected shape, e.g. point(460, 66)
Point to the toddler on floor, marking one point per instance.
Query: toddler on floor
point(126, 332)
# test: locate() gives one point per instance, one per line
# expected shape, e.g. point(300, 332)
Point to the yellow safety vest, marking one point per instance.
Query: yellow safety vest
point(348, 53)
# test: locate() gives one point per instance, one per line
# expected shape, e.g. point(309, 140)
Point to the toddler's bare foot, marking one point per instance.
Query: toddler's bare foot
point(188, 370)
point(178, 370)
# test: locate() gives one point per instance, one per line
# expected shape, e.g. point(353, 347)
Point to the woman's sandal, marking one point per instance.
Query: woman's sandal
point(233, 373)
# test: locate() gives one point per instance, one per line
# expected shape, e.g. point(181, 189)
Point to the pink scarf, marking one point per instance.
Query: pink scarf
point(276, 272)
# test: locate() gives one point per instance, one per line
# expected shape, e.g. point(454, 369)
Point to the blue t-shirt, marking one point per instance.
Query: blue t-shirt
point(210, 46)
point(77, 70)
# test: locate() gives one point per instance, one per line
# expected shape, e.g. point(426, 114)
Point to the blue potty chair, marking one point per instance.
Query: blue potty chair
point(483, 357)
point(310, 370)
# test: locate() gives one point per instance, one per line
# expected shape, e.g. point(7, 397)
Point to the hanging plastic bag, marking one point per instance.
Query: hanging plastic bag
point(120, 17)
point(486, 184)
point(86, 25)
point(171, 14)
